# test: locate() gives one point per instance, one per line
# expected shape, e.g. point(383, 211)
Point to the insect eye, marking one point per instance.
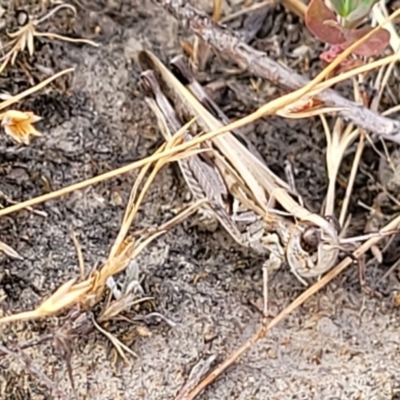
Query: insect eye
point(22, 17)
point(310, 239)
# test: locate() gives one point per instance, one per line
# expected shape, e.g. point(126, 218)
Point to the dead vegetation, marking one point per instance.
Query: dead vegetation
point(83, 298)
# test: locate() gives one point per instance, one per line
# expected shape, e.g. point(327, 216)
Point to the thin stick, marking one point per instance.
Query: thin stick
point(54, 11)
point(27, 92)
point(119, 346)
point(352, 177)
point(217, 10)
point(97, 179)
point(357, 157)
point(51, 35)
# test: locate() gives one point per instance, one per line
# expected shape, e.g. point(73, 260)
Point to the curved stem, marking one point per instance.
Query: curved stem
point(52, 12)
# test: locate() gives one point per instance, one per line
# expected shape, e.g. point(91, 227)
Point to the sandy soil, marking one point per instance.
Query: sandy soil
point(342, 344)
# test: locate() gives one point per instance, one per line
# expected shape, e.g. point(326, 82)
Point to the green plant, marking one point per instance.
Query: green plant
point(341, 24)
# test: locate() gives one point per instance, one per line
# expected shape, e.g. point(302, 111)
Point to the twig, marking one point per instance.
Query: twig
point(352, 177)
point(92, 181)
point(34, 89)
point(357, 157)
point(196, 374)
point(218, 4)
point(258, 63)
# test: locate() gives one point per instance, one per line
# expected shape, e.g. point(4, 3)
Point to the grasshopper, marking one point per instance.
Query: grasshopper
point(256, 207)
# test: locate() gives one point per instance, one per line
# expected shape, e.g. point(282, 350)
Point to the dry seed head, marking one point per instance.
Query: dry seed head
point(24, 37)
point(18, 125)
point(22, 17)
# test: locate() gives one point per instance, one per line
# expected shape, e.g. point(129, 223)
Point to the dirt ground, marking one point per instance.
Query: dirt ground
point(342, 344)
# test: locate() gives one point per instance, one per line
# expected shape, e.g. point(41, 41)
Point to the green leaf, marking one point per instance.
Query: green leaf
point(337, 6)
point(353, 10)
point(359, 12)
point(343, 7)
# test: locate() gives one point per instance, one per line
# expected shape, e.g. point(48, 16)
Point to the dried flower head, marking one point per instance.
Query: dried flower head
point(18, 124)
point(24, 37)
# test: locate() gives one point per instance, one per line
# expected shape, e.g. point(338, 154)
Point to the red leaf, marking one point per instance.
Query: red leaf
point(372, 46)
point(320, 21)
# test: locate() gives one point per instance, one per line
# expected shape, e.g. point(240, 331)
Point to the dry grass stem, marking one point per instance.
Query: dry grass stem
point(267, 109)
point(356, 161)
point(119, 346)
point(380, 14)
point(9, 251)
point(114, 308)
point(341, 137)
point(24, 38)
point(352, 178)
point(392, 110)
point(336, 141)
point(90, 287)
point(217, 11)
point(124, 249)
point(18, 97)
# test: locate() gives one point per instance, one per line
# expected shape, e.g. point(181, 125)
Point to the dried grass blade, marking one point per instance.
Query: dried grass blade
point(5, 248)
point(308, 114)
point(34, 89)
point(119, 346)
point(66, 295)
point(120, 262)
point(51, 35)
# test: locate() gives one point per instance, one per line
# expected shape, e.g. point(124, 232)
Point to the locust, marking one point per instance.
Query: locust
point(256, 207)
